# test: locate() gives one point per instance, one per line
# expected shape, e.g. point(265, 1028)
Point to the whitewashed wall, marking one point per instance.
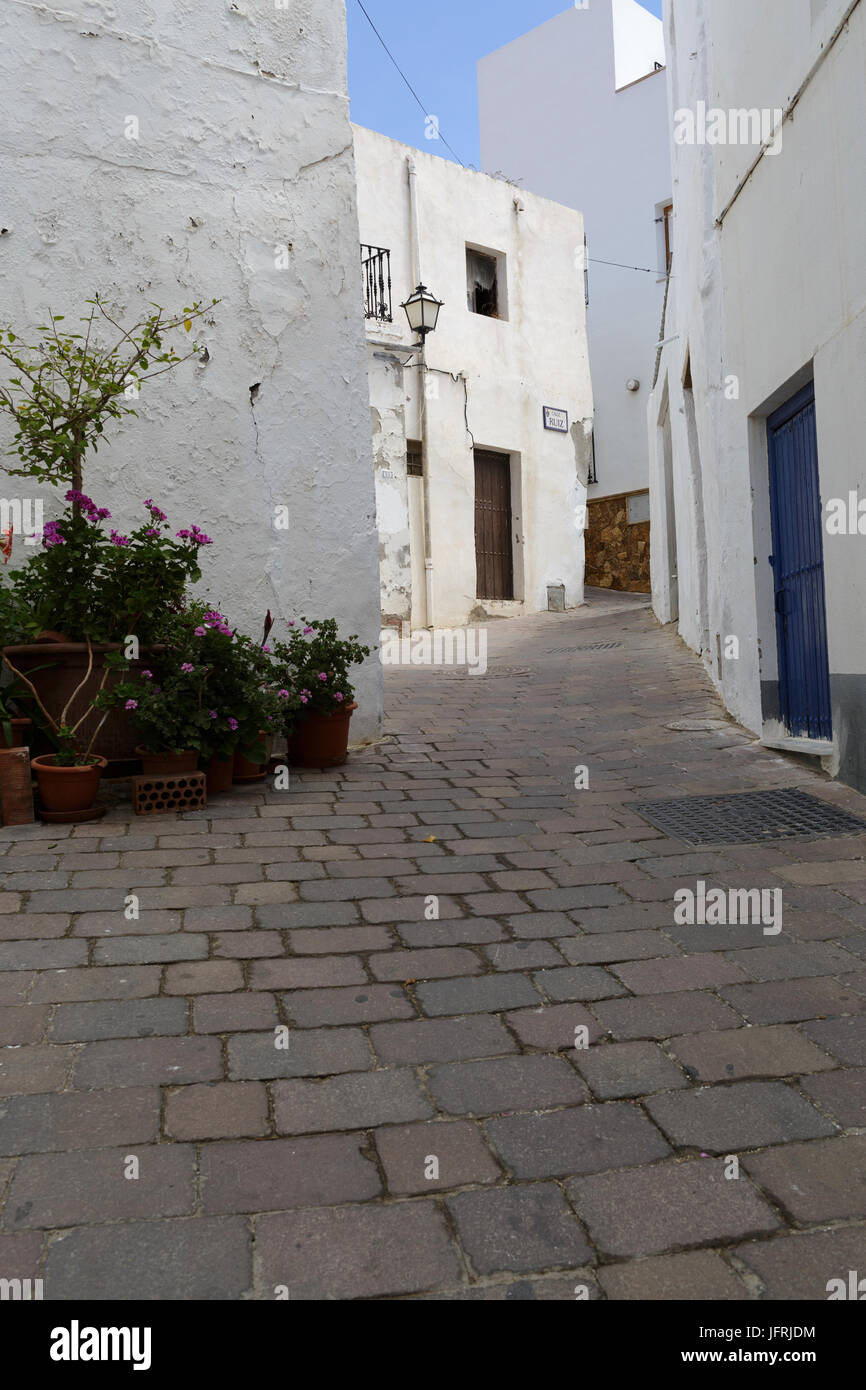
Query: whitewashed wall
point(774, 295)
point(244, 146)
point(491, 377)
point(552, 118)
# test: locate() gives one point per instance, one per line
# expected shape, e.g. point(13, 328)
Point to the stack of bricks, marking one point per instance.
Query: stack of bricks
point(16, 788)
point(185, 791)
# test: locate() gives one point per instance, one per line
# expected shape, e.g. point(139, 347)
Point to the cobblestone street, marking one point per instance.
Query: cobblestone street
point(435, 922)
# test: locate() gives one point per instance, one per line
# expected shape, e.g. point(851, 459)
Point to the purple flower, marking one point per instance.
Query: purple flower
point(117, 539)
point(200, 632)
point(266, 650)
point(290, 623)
point(103, 514)
point(212, 713)
point(183, 535)
point(307, 631)
point(148, 675)
point(187, 667)
point(283, 694)
point(323, 675)
point(151, 531)
point(131, 704)
point(154, 509)
point(51, 534)
point(338, 696)
point(233, 723)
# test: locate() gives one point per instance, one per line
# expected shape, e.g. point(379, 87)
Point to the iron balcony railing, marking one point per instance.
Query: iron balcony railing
point(376, 269)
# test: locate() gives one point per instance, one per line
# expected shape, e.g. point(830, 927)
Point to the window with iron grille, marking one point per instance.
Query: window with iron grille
point(376, 272)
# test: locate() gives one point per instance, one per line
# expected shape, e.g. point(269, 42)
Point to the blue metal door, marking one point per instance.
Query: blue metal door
point(798, 569)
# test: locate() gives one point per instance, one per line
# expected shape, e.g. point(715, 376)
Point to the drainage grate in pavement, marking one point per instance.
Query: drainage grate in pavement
point(590, 647)
point(748, 818)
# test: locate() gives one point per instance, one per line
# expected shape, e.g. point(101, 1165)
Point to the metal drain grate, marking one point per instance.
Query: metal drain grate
point(748, 818)
point(590, 647)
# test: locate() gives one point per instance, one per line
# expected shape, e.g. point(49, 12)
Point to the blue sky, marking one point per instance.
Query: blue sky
point(437, 44)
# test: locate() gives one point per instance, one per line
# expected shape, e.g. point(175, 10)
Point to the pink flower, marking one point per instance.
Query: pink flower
point(200, 632)
point(131, 704)
point(266, 650)
point(187, 667)
point(233, 723)
point(323, 675)
point(283, 694)
point(307, 631)
point(338, 696)
point(212, 713)
point(148, 675)
point(290, 623)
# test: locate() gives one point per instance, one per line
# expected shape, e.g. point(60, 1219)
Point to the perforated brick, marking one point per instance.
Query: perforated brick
point(153, 796)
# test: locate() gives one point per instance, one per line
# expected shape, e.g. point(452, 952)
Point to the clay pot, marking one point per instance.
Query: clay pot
point(67, 788)
point(322, 740)
point(63, 666)
point(20, 733)
point(246, 771)
point(166, 764)
point(218, 775)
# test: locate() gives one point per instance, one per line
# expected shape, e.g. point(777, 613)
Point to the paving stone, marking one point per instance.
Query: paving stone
point(19, 1257)
point(461, 1156)
point(42, 955)
point(274, 1174)
point(143, 949)
point(794, 961)
point(203, 977)
point(316, 973)
point(729, 1119)
point(584, 1140)
point(22, 1023)
point(143, 1061)
point(578, 982)
point(348, 1102)
point(773, 1051)
point(229, 917)
point(696, 1274)
point(522, 955)
point(823, 1181)
point(15, 986)
point(36, 1069)
point(481, 994)
point(842, 1094)
point(801, 1266)
point(663, 1015)
point(246, 945)
point(644, 1211)
point(125, 1018)
point(311, 1052)
point(505, 1083)
point(424, 965)
point(616, 1070)
point(456, 932)
point(68, 1189)
point(790, 1001)
point(311, 1007)
point(440, 1040)
point(524, 1229)
point(222, 1110)
point(230, 1013)
point(290, 916)
point(79, 1120)
point(535, 925)
point(617, 946)
point(380, 909)
point(203, 1258)
point(356, 1252)
point(844, 1038)
point(678, 973)
point(552, 1028)
point(42, 926)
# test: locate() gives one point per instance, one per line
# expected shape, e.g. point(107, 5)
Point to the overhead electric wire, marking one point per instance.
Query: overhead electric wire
point(424, 108)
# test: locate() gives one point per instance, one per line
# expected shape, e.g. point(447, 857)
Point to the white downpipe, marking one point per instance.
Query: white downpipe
point(415, 241)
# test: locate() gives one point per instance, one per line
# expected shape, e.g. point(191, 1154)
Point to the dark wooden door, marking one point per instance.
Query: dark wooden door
point(493, 561)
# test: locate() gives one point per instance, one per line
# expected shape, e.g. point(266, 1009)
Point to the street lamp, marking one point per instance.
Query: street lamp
point(422, 311)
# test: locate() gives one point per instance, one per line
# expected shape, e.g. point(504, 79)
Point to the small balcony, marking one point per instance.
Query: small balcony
point(376, 270)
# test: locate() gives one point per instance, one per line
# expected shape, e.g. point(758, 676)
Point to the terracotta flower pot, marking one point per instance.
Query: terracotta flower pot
point(67, 788)
point(246, 771)
point(218, 775)
point(166, 764)
point(322, 740)
point(20, 733)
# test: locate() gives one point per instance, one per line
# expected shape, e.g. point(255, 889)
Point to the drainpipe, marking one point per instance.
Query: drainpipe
point(422, 398)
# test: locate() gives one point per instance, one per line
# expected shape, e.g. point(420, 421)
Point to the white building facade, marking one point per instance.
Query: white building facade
point(481, 491)
point(576, 110)
point(757, 418)
point(165, 153)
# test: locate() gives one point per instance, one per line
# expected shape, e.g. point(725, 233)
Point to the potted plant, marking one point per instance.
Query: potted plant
point(68, 779)
point(105, 592)
point(317, 661)
point(61, 393)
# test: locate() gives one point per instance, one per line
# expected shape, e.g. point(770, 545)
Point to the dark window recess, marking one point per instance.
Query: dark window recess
point(376, 272)
point(414, 466)
point(482, 288)
point(493, 559)
point(668, 220)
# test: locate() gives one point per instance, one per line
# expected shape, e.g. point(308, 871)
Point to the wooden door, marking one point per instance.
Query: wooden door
point(493, 559)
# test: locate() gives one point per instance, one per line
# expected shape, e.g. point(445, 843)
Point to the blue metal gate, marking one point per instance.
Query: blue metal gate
point(798, 568)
